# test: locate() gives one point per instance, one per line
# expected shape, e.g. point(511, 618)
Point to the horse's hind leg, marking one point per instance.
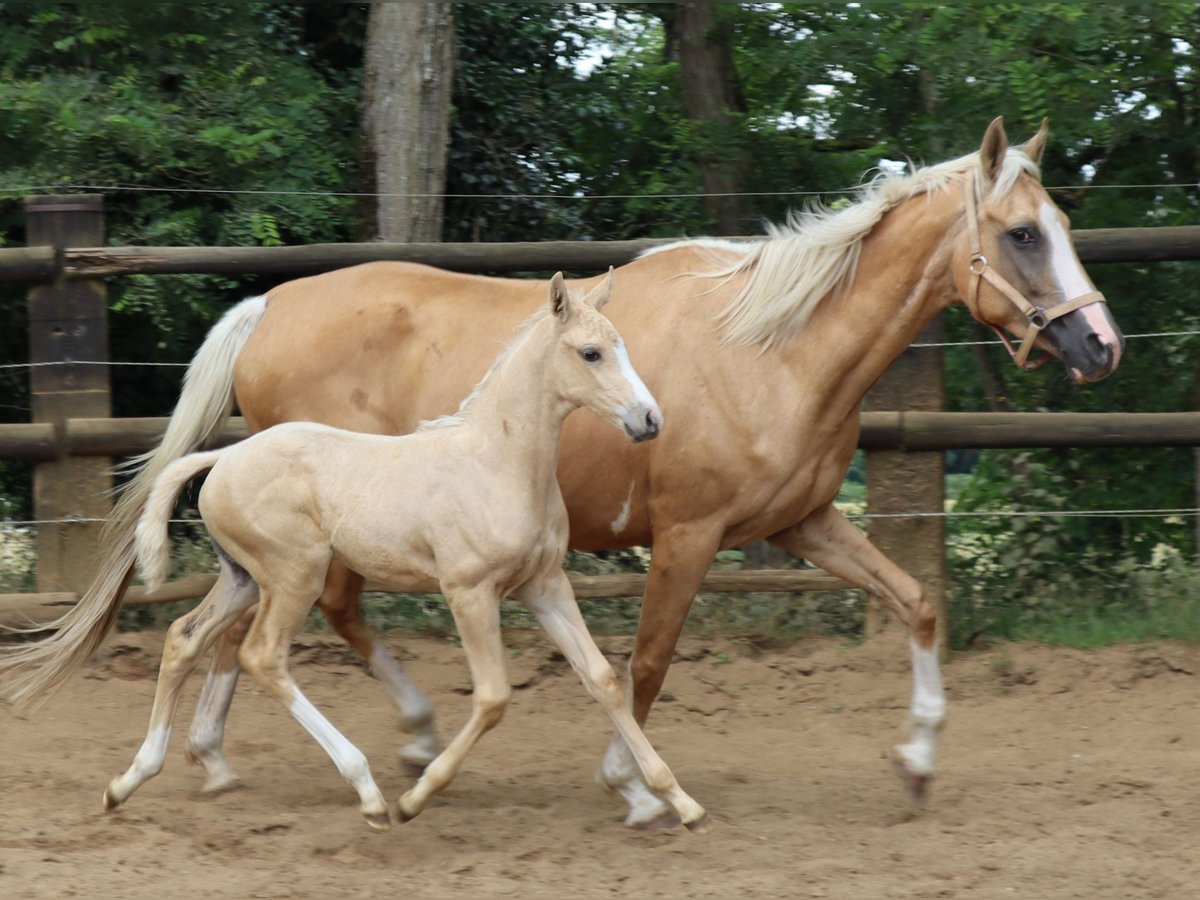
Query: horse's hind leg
point(187, 639)
point(206, 738)
point(341, 602)
point(827, 539)
point(264, 656)
point(553, 602)
point(477, 615)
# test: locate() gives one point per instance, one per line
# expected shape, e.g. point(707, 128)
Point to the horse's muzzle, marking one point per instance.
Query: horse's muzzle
point(1090, 346)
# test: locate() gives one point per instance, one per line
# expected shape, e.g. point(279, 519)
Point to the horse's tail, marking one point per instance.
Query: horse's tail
point(31, 671)
point(151, 542)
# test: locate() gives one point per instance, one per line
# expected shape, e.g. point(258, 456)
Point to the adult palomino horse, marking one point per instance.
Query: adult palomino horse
point(469, 505)
point(765, 350)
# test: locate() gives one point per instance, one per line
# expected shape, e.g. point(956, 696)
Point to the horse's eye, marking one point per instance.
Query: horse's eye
point(1023, 236)
point(590, 355)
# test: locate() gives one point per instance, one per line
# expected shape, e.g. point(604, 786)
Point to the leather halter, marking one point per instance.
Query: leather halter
point(1037, 317)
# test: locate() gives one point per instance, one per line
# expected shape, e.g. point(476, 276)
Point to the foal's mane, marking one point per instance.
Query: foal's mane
point(462, 414)
point(814, 254)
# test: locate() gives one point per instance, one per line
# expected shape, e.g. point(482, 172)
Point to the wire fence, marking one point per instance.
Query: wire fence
point(577, 196)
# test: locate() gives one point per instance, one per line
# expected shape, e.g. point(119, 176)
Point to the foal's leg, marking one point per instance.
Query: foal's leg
point(341, 602)
point(264, 656)
point(187, 639)
point(681, 558)
point(829, 540)
point(206, 738)
point(553, 602)
point(477, 615)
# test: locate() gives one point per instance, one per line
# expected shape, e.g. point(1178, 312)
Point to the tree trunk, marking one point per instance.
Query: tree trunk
point(409, 77)
point(713, 98)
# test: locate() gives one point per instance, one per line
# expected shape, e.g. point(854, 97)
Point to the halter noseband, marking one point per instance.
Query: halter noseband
point(1038, 317)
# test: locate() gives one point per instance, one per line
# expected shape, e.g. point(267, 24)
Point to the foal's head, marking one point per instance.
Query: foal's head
point(1020, 272)
point(591, 365)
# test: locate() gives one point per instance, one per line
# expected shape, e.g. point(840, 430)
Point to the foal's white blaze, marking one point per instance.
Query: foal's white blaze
point(1072, 281)
point(622, 519)
point(640, 392)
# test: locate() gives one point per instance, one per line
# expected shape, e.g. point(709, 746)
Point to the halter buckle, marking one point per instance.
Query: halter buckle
point(1038, 317)
point(978, 264)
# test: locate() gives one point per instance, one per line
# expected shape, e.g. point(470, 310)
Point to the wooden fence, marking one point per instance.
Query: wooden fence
point(72, 436)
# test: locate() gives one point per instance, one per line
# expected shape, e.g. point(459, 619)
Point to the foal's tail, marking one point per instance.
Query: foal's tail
point(31, 671)
point(151, 543)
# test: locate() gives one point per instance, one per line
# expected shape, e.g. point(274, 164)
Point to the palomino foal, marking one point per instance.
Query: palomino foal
point(470, 502)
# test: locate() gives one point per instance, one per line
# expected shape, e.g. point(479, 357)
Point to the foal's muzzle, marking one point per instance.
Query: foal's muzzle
point(643, 423)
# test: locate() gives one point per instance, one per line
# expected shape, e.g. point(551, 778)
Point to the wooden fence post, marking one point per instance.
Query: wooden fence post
point(67, 324)
point(901, 481)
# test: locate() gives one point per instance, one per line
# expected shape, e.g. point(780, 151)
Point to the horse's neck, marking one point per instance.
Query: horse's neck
point(902, 281)
point(519, 414)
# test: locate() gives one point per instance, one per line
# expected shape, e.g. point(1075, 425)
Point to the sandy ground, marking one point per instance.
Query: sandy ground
point(1063, 774)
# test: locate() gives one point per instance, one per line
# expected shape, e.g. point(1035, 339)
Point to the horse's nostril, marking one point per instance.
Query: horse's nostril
point(1100, 349)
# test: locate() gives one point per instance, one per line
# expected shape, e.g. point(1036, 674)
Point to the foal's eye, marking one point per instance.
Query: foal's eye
point(1023, 236)
point(590, 354)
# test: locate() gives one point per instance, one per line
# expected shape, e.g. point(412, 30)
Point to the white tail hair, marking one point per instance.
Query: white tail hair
point(31, 671)
point(151, 541)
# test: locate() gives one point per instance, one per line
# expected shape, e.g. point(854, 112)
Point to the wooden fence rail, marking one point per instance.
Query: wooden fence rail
point(34, 265)
point(908, 431)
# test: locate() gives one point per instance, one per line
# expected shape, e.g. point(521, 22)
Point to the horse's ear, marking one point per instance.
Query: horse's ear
point(993, 148)
point(560, 298)
point(1036, 145)
point(599, 295)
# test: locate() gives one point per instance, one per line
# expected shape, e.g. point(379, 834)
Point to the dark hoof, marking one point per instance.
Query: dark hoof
point(702, 825)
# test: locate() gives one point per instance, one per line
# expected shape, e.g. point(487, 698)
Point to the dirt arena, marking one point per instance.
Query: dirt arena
point(1063, 774)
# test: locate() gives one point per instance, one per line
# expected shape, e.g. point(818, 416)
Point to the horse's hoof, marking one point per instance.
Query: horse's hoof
point(221, 782)
point(917, 783)
point(110, 800)
point(379, 821)
point(662, 821)
point(404, 810)
point(702, 825)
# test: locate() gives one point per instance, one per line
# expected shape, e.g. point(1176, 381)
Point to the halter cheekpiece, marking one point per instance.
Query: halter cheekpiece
point(1038, 317)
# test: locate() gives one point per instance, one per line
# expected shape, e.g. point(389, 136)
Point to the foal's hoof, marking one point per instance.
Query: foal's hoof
point(110, 800)
point(405, 811)
point(916, 782)
point(379, 821)
point(702, 825)
point(220, 782)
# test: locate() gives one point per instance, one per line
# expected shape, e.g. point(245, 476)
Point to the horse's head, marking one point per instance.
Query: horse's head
point(592, 365)
point(1019, 271)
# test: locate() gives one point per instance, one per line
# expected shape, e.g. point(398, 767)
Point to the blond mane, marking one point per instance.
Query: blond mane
point(814, 254)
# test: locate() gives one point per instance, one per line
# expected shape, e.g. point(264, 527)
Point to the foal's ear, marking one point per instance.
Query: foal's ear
point(1036, 145)
point(993, 148)
point(599, 295)
point(560, 298)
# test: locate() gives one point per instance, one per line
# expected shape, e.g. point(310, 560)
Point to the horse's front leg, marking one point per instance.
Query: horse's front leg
point(681, 558)
point(341, 602)
point(827, 539)
point(553, 602)
point(477, 615)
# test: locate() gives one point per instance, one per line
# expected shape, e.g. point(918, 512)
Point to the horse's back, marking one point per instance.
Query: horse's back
point(376, 347)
